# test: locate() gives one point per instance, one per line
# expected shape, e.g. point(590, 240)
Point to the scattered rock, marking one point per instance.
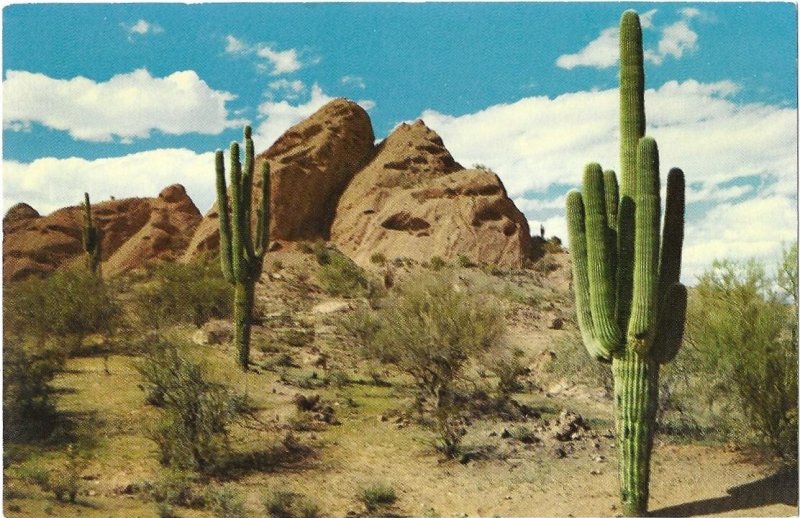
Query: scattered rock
point(214, 332)
point(505, 434)
point(557, 323)
point(558, 452)
point(569, 426)
point(331, 306)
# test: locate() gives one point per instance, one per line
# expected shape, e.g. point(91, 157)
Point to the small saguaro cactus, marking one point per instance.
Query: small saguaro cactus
point(241, 253)
point(630, 304)
point(90, 238)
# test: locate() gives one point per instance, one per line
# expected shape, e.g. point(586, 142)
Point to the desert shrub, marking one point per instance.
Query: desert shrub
point(194, 292)
point(360, 325)
point(431, 331)
point(465, 262)
point(226, 502)
point(321, 252)
point(286, 504)
point(508, 368)
point(341, 277)
point(553, 246)
point(437, 263)
point(29, 408)
point(377, 497)
point(64, 307)
point(175, 487)
point(377, 258)
point(572, 362)
point(195, 414)
point(741, 359)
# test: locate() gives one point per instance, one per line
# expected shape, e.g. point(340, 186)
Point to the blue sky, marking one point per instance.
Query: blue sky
point(123, 99)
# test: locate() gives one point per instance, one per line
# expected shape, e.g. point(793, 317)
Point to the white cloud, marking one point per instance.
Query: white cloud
point(355, 81)
point(278, 116)
point(127, 105)
point(758, 228)
point(676, 40)
point(140, 28)
point(51, 183)
point(286, 89)
point(281, 61)
point(723, 146)
point(601, 52)
point(276, 62)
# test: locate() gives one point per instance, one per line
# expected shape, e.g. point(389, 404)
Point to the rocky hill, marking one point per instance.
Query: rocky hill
point(406, 197)
point(133, 231)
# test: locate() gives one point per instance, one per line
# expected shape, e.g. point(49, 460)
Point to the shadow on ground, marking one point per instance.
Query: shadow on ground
point(779, 488)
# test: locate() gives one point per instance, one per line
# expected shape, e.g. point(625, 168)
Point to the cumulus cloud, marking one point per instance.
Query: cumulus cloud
point(140, 28)
point(127, 106)
point(602, 52)
point(51, 183)
point(277, 116)
point(676, 40)
point(274, 61)
point(287, 89)
point(730, 151)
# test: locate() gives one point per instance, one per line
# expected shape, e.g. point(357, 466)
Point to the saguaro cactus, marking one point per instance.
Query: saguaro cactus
point(241, 254)
point(631, 306)
point(90, 238)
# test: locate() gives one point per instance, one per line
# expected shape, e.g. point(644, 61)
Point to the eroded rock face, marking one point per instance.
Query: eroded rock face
point(414, 200)
point(133, 231)
point(311, 165)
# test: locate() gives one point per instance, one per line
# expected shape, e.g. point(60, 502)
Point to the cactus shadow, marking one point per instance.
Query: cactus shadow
point(778, 488)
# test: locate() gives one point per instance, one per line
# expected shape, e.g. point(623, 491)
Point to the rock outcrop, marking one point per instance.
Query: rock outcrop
point(133, 231)
point(414, 200)
point(311, 165)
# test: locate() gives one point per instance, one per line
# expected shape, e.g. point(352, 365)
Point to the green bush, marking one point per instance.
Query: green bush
point(192, 428)
point(377, 258)
point(174, 487)
point(63, 481)
point(378, 497)
point(437, 263)
point(465, 262)
point(226, 502)
point(341, 277)
point(286, 504)
point(740, 371)
point(29, 410)
point(432, 330)
point(194, 292)
point(64, 307)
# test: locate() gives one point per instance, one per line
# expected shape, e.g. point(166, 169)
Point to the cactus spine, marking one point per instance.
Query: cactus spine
point(241, 254)
point(90, 238)
point(630, 304)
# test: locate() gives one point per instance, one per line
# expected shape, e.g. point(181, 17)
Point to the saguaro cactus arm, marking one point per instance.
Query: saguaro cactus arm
point(224, 219)
point(90, 236)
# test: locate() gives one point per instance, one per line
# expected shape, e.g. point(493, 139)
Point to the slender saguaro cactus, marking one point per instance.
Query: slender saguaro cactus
point(241, 254)
point(90, 238)
point(630, 304)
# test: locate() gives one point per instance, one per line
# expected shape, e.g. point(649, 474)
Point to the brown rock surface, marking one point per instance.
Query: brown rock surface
point(133, 230)
point(414, 200)
point(311, 164)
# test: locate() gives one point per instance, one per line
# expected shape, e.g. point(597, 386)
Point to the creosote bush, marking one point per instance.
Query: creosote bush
point(194, 292)
point(286, 504)
point(62, 309)
point(29, 410)
point(431, 330)
point(192, 428)
point(740, 373)
point(378, 497)
point(341, 277)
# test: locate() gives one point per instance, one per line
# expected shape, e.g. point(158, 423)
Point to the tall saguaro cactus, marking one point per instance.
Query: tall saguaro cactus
point(631, 306)
point(241, 253)
point(90, 238)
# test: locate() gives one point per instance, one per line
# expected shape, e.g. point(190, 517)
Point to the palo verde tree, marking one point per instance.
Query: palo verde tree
point(631, 306)
point(241, 253)
point(90, 238)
